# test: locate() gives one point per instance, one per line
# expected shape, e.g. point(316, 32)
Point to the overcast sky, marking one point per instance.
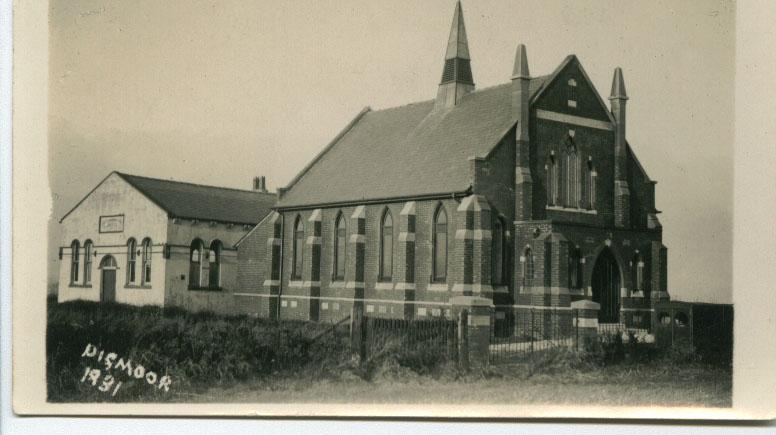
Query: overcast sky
point(219, 92)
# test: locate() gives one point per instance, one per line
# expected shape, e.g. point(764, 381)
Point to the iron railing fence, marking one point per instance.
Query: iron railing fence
point(438, 336)
point(608, 332)
point(535, 330)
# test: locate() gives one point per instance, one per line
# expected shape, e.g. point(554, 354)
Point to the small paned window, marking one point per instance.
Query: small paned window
point(196, 257)
point(88, 249)
point(131, 261)
point(75, 248)
point(214, 258)
point(146, 279)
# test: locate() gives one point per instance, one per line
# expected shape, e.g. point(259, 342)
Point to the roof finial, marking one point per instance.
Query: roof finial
point(521, 64)
point(618, 86)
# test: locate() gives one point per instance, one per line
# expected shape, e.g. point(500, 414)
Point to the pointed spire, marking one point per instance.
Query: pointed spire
point(618, 86)
point(521, 64)
point(457, 44)
point(457, 79)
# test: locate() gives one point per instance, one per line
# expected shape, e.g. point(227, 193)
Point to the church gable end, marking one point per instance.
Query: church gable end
point(570, 92)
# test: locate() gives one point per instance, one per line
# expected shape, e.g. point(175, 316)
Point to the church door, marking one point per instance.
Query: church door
point(606, 287)
point(108, 281)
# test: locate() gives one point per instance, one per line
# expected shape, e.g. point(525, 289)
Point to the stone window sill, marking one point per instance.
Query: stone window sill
point(131, 286)
point(338, 284)
point(437, 287)
point(571, 209)
point(206, 289)
point(384, 286)
point(74, 285)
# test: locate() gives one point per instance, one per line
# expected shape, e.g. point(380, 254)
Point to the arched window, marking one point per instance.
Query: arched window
point(386, 246)
point(528, 267)
point(638, 272)
point(145, 272)
point(440, 244)
point(298, 248)
point(131, 261)
point(196, 254)
point(590, 184)
point(214, 258)
point(575, 268)
point(75, 247)
point(571, 178)
point(499, 253)
point(552, 177)
point(88, 249)
point(340, 246)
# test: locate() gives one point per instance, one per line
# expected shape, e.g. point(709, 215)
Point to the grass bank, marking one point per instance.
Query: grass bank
point(141, 346)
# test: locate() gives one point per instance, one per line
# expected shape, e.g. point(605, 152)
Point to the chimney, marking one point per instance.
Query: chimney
point(521, 79)
point(618, 100)
point(457, 78)
point(260, 184)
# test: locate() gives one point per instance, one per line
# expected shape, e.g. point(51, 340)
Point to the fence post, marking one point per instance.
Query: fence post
point(532, 331)
point(358, 332)
point(576, 328)
point(587, 318)
point(476, 316)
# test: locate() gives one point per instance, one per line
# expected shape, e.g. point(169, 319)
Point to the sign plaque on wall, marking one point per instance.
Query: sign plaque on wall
point(112, 224)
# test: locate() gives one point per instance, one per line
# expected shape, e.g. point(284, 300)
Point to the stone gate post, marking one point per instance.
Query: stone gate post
point(585, 321)
point(474, 348)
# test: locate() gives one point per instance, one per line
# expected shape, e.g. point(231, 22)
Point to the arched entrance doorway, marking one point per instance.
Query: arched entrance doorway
point(606, 287)
point(108, 279)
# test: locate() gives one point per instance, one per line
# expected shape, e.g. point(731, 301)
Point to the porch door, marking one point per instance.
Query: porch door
point(108, 279)
point(606, 287)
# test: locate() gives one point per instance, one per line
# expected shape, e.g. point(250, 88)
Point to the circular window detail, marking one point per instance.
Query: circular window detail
point(681, 319)
point(664, 319)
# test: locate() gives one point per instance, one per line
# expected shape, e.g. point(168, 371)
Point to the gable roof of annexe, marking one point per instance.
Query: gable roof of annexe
point(196, 201)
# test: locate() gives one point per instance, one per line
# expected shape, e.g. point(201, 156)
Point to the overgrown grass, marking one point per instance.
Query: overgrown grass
point(197, 350)
point(237, 358)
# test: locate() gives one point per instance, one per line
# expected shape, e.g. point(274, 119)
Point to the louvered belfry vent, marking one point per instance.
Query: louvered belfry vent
point(457, 70)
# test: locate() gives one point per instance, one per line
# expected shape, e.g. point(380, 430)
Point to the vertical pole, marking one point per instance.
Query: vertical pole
point(576, 329)
point(532, 331)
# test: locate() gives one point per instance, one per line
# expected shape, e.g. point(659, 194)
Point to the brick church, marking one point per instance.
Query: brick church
point(525, 193)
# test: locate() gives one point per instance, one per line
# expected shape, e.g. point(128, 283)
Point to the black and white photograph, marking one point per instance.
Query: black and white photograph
point(402, 208)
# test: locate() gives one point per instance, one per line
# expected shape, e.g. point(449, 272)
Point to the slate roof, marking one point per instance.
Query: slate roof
point(206, 203)
point(407, 151)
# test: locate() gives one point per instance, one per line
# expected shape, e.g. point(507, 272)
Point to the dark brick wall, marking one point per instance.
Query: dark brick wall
point(642, 199)
point(592, 143)
point(252, 271)
point(495, 178)
point(336, 291)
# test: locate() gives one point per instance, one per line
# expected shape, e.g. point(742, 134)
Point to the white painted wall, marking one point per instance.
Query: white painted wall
point(142, 218)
